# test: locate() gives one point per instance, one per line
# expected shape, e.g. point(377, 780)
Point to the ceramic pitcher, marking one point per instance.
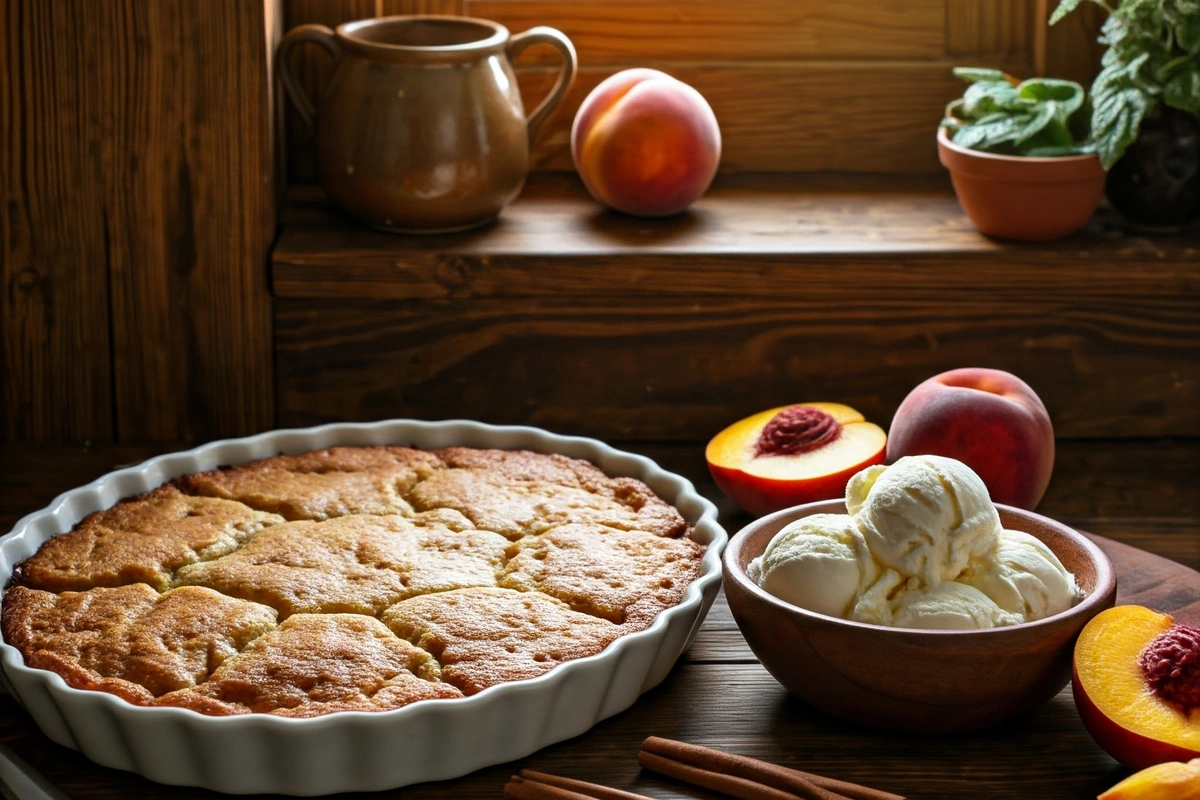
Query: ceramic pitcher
point(421, 128)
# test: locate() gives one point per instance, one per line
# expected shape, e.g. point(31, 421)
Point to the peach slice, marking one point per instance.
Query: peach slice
point(1170, 781)
point(1136, 683)
point(793, 454)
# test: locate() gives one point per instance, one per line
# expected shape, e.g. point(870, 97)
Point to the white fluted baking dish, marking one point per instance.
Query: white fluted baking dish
point(353, 751)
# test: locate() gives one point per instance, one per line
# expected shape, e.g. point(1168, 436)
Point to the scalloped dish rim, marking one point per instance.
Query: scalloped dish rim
point(350, 751)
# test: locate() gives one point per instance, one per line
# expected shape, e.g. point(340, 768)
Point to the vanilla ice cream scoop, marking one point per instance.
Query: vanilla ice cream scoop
point(1023, 576)
point(949, 606)
point(818, 562)
point(924, 516)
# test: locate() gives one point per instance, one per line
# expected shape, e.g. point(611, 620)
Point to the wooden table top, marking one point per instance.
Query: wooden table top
point(719, 696)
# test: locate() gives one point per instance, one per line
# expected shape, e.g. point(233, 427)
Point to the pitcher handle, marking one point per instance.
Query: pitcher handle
point(556, 39)
point(301, 34)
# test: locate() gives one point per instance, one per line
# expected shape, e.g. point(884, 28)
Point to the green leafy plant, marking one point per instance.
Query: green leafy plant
point(999, 114)
point(1152, 56)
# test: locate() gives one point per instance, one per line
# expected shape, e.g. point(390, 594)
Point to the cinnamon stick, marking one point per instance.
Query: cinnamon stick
point(583, 787)
point(519, 788)
point(762, 772)
point(732, 785)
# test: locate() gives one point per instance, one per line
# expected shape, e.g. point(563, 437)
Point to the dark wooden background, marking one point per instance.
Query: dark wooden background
point(137, 167)
point(142, 169)
point(168, 276)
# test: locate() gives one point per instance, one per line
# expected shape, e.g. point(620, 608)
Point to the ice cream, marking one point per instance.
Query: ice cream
point(949, 606)
point(922, 547)
point(820, 563)
point(924, 516)
point(1023, 576)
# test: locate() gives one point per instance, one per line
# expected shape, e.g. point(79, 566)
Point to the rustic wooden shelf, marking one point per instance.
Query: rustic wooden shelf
point(755, 226)
point(770, 290)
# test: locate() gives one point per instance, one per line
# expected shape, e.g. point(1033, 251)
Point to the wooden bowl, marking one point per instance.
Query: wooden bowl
point(917, 681)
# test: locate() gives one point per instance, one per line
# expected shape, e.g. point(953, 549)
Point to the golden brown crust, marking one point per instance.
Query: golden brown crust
point(130, 637)
point(513, 505)
point(321, 484)
point(317, 663)
point(525, 465)
point(483, 637)
point(625, 577)
point(358, 565)
point(260, 588)
point(142, 540)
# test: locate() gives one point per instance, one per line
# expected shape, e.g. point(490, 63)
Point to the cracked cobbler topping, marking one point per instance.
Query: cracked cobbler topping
point(351, 578)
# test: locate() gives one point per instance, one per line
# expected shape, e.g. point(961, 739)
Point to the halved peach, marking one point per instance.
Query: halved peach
point(793, 454)
point(1170, 781)
point(1135, 717)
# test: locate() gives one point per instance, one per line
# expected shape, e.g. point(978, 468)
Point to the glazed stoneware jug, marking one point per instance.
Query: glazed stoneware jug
point(421, 128)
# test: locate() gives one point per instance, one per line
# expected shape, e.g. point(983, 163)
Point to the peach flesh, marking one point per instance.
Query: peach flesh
point(1172, 780)
point(645, 143)
point(762, 484)
point(1123, 714)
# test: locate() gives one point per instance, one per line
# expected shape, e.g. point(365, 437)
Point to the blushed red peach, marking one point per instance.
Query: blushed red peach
point(646, 143)
point(990, 420)
point(1136, 683)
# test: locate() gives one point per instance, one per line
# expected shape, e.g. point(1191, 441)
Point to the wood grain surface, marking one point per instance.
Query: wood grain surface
point(590, 322)
point(617, 33)
point(1003, 28)
point(192, 221)
point(806, 116)
point(55, 347)
point(821, 85)
point(1069, 49)
point(320, 253)
point(138, 180)
point(720, 697)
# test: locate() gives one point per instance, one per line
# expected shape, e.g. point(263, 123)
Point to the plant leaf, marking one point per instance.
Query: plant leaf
point(988, 133)
point(977, 74)
point(1045, 114)
point(987, 97)
point(1068, 95)
point(1064, 8)
point(1183, 90)
point(1119, 107)
point(1187, 30)
point(1132, 68)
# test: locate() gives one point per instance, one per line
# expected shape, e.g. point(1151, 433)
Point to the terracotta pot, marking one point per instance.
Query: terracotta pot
point(1023, 198)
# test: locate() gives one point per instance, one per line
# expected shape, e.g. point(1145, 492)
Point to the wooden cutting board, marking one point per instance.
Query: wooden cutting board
point(1152, 581)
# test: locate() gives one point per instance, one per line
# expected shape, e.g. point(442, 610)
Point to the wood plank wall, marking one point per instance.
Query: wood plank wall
point(137, 163)
point(138, 174)
point(797, 85)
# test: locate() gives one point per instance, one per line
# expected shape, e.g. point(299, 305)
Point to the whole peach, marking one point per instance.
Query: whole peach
point(645, 143)
point(990, 420)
